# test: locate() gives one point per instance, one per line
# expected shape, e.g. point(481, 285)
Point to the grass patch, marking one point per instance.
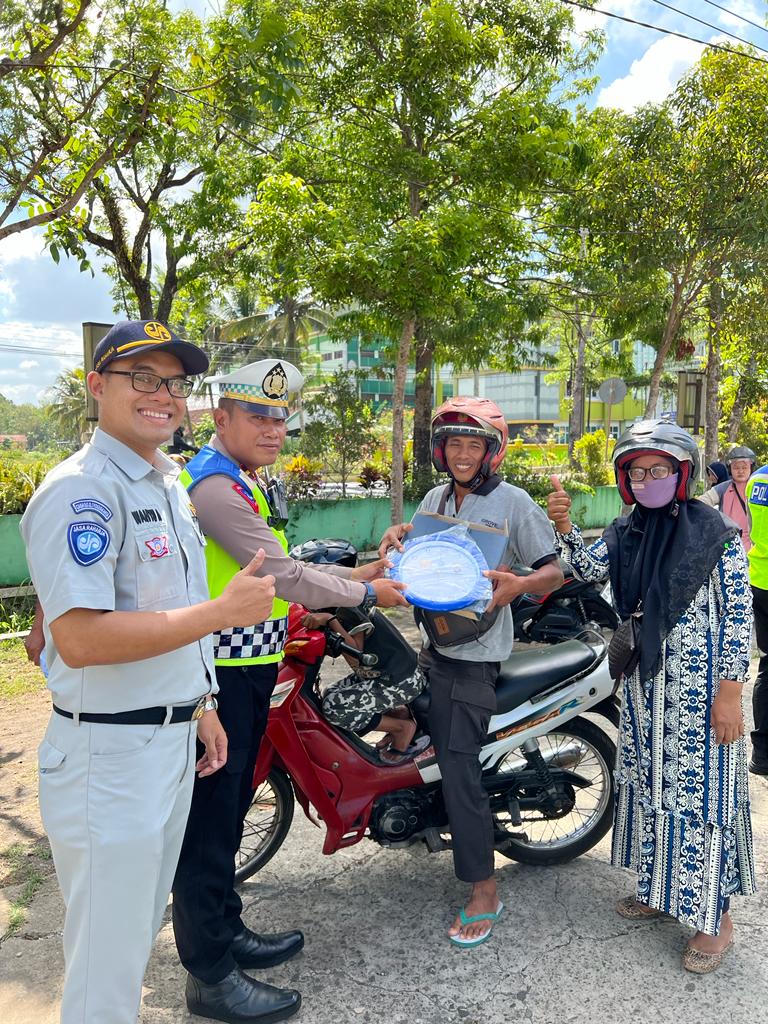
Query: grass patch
point(18, 676)
point(28, 867)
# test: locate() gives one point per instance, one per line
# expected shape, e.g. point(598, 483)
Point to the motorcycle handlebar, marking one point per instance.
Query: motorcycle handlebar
point(336, 646)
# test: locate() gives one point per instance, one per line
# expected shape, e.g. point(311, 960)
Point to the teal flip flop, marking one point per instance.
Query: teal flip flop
point(469, 943)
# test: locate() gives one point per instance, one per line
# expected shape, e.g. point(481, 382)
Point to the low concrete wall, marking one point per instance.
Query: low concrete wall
point(359, 520)
point(595, 511)
point(13, 563)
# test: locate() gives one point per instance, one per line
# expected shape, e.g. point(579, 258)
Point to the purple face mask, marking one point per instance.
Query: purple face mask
point(652, 493)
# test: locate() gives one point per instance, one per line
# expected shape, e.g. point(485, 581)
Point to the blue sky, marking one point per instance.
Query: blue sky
point(42, 305)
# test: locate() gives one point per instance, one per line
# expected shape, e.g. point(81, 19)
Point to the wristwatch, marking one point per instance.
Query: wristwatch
point(207, 703)
point(370, 599)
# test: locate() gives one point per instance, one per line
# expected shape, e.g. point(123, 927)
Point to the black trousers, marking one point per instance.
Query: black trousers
point(760, 691)
point(206, 907)
point(463, 698)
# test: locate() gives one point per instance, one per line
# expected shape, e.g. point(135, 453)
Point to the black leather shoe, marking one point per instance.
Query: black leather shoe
point(758, 766)
point(258, 951)
point(240, 1000)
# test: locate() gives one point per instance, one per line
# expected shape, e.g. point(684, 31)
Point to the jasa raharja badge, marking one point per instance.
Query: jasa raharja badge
point(275, 384)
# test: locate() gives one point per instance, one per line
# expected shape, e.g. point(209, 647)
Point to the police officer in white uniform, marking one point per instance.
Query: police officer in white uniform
point(117, 560)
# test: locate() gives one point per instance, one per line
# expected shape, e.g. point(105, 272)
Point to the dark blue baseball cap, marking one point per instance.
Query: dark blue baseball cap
point(132, 337)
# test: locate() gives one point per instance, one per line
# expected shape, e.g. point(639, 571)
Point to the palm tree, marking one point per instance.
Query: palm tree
point(68, 406)
point(282, 330)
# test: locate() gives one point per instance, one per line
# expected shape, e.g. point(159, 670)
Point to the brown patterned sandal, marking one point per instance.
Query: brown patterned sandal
point(698, 962)
point(632, 910)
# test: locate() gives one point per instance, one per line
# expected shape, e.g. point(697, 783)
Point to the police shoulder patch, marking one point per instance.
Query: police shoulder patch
point(92, 505)
point(88, 542)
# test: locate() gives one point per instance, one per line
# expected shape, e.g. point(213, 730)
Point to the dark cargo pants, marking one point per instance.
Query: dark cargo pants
point(463, 698)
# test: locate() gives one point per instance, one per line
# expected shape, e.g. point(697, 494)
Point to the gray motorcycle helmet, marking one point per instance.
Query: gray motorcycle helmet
point(666, 439)
point(740, 452)
point(326, 551)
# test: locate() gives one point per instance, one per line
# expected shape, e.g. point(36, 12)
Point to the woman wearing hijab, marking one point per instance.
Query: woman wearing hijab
point(717, 473)
point(682, 818)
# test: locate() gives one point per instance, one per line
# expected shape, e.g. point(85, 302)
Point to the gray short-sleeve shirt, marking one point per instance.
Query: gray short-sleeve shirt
point(531, 542)
point(107, 530)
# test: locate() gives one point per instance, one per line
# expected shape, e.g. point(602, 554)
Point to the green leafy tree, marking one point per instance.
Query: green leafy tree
point(69, 106)
point(677, 195)
point(423, 126)
point(167, 217)
point(339, 427)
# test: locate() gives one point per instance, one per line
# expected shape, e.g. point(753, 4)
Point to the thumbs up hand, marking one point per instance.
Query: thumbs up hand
point(558, 506)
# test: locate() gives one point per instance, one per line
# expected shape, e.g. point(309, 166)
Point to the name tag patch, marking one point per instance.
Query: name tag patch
point(158, 546)
point(146, 515)
point(92, 505)
point(88, 542)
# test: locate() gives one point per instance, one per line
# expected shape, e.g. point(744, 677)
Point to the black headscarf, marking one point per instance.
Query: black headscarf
point(658, 559)
point(720, 470)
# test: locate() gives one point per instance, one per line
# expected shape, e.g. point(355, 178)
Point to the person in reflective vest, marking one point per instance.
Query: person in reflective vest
point(239, 510)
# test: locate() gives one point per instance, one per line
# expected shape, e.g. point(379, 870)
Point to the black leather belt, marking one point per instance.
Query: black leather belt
point(142, 716)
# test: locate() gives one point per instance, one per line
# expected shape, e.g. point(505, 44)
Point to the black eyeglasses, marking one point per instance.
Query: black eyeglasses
point(149, 383)
point(638, 473)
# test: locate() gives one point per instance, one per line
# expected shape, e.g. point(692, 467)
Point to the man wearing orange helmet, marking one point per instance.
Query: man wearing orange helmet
point(469, 440)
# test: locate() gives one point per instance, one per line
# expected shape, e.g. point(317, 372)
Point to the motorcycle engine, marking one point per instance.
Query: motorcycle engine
point(397, 816)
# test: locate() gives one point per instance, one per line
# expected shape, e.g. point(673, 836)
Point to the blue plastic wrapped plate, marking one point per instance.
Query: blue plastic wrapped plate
point(442, 572)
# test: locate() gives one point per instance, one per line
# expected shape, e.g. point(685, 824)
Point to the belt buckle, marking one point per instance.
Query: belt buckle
point(199, 710)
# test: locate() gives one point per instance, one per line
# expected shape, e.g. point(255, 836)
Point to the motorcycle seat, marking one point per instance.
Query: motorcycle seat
point(527, 673)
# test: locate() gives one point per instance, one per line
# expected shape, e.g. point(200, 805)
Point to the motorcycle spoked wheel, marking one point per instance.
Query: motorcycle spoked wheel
point(266, 824)
point(554, 838)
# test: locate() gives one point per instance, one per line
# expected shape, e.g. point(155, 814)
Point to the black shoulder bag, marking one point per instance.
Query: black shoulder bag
point(624, 648)
point(449, 629)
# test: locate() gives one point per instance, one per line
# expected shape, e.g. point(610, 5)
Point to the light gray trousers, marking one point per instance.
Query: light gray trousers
point(114, 801)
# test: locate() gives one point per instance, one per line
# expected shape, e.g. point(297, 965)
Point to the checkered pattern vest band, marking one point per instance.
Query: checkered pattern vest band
point(263, 642)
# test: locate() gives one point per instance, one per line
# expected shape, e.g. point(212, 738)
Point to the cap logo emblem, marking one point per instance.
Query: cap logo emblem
point(275, 384)
point(157, 331)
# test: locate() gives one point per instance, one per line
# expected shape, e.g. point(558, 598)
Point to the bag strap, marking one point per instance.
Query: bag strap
point(444, 499)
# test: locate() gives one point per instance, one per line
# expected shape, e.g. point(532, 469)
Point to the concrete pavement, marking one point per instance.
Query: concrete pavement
point(375, 922)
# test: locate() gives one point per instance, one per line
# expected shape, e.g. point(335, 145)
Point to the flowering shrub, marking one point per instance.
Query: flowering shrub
point(302, 477)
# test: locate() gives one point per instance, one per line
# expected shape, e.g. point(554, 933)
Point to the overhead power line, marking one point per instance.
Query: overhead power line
point(733, 14)
point(708, 24)
point(33, 350)
point(665, 31)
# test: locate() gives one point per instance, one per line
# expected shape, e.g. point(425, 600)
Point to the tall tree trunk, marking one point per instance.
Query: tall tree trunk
point(576, 418)
point(422, 411)
point(711, 443)
point(398, 405)
point(740, 402)
point(670, 333)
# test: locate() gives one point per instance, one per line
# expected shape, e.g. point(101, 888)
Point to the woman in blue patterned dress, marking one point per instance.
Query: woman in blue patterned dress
point(682, 819)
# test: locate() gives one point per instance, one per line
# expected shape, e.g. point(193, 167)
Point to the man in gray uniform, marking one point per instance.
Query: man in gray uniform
point(240, 514)
point(116, 557)
point(469, 440)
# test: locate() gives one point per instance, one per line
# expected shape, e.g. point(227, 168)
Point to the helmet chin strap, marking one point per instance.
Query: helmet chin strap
point(476, 480)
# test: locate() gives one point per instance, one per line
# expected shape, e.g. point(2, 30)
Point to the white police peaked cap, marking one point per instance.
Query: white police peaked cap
point(263, 387)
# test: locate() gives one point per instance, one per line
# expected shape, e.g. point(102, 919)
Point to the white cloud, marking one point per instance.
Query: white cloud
point(653, 76)
point(59, 341)
point(28, 364)
point(26, 245)
point(747, 9)
point(20, 393)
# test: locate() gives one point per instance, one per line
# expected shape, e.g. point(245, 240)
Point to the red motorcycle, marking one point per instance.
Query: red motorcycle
point(548, 771)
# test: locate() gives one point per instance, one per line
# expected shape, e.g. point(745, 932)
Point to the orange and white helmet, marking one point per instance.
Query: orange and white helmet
point(470, 417)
